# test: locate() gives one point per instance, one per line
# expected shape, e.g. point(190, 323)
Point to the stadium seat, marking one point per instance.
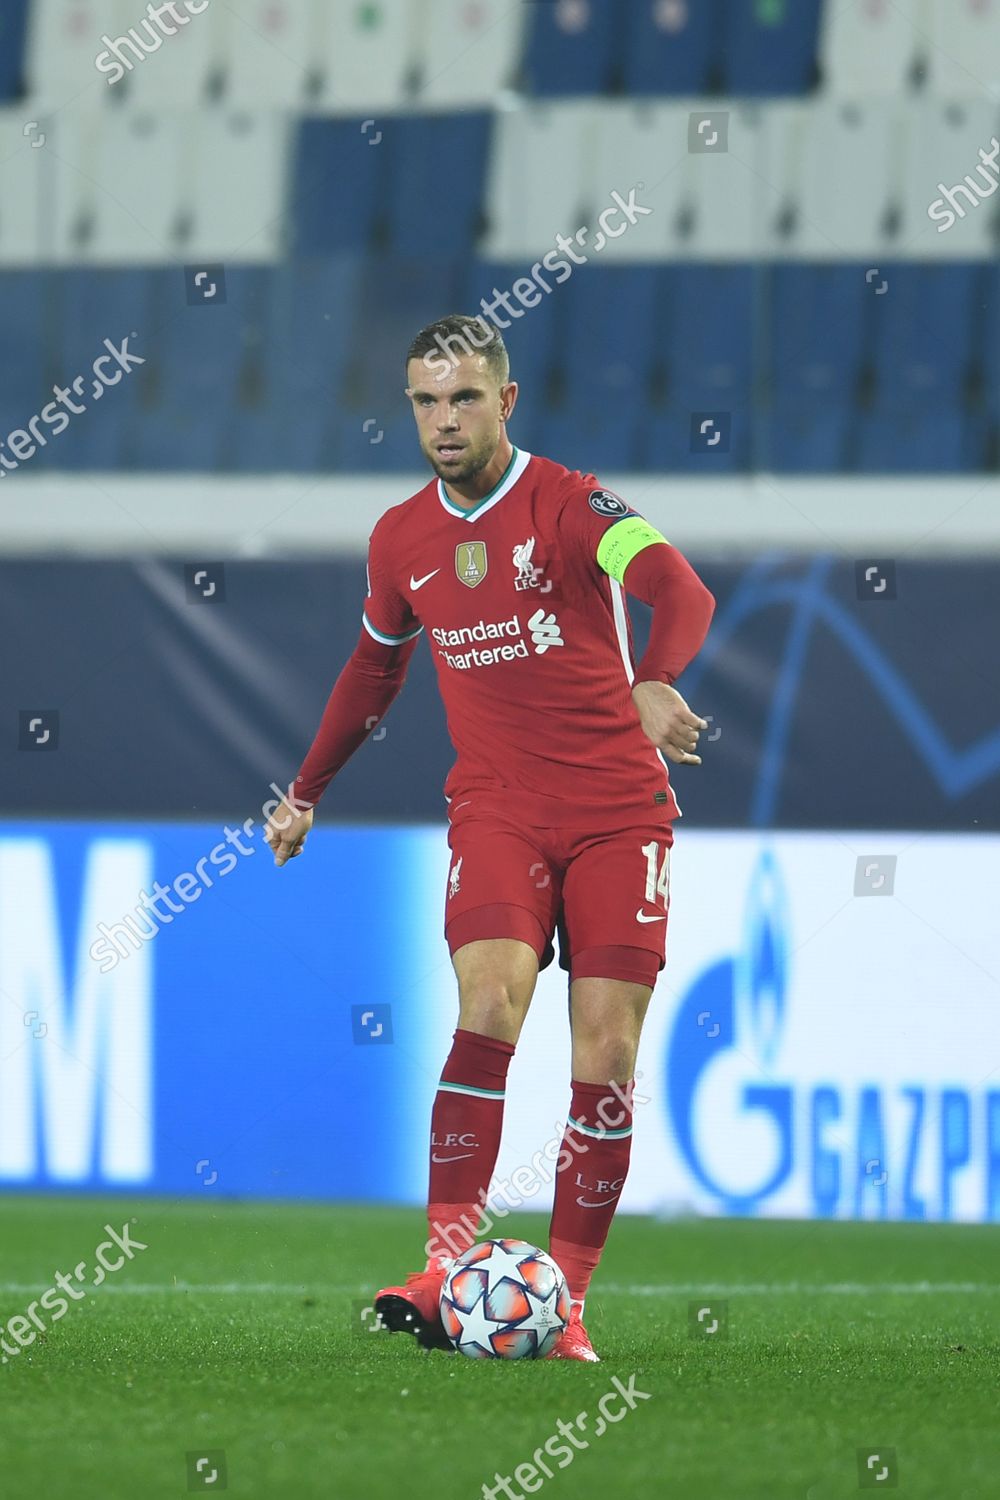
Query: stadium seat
point(396, 298)
point(365, 55)
point(769, 46)
point(539, 176)
point(63, 39)
point(942, 144)
point(633, 143)
point(269, 51)
point(733, 199)
point(592, 438)
point(573, 49)
point(532, 340)
point(671, 49)
point(24, 180)
point(988, 341)
point(437, 163)
point(198, 359)
point(836, 165)
point(609, 349)
point(183, 71)
point(26, 375)
point(814, 330)
point(339, 181)
point(237, 150)
point(922, 332)
point(872, 46)
point(929, 437)
point(13, 27)
point(121, 191)
point(963, 56)
point(667, 442)
point(468, 53)
point(806, 435)
point(707, 335)
point(90, 304)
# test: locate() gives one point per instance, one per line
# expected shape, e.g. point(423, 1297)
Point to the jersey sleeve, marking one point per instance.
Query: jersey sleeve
point(604, 527)
point(387, 615)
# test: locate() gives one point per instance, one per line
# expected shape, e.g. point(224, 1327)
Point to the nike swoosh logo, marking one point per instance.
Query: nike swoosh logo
point(641, 916)
point(601, 1203)
point(418, 583)
point(437, 1158)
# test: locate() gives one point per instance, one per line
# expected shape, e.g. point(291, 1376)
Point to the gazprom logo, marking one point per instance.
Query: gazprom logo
point(759, 1111)
point(76, 1086)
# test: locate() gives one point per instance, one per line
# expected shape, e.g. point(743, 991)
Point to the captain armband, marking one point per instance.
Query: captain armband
point(621, 542)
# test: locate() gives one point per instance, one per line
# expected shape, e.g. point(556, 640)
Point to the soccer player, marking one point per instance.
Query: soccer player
point(560, 806)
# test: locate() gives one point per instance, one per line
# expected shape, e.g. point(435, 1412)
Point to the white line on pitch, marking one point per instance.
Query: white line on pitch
point(615, 1289)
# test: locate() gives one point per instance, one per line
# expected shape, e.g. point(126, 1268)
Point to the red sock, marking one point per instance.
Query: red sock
point(465, 1138)
point(593, 1165)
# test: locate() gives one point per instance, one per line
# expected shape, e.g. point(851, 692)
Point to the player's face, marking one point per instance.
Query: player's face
point(460, 411)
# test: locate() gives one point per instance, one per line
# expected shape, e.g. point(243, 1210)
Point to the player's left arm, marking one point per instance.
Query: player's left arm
point(650, 568)
point(629, 549)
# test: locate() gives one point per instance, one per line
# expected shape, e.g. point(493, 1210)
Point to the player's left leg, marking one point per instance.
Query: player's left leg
point(616, 895)
point(606, 1017)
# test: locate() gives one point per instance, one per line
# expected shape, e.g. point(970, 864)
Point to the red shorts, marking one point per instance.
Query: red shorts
point(606, 894)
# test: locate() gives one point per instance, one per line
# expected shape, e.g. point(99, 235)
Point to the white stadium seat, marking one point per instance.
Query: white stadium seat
point(119, 186)
point(25, 172)
point(239, 171)
point(635, 144)
point(62, 45)
point(184, 70)
point(468, 52)
point(963, 58)
point(270, 51)
point(540, 177)
point(365, 54)
point(942, 148)
point(735, 198)
point(872, 46)
point(840, 164)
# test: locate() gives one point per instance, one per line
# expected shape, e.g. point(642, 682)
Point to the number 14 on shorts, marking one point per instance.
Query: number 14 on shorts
point(657, 885)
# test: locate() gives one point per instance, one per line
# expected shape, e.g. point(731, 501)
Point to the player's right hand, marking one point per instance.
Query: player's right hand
point(285, 831)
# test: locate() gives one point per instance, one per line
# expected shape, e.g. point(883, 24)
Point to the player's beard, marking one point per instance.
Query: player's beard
point(473, 464)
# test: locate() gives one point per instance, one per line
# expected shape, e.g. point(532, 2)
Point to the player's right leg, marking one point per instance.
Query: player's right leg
point(496, 980)
point(501, 912)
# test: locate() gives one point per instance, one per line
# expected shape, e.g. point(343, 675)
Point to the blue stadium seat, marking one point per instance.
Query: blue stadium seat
point(572, 49)
point(923, 329)
point(340, 179)
point(707, 335)
point(13, 24)
point(437, 167)
point(201, 357)
point(770, 46)
point(610, 317)
point(671, 49)
point(25, 374)
point(590, 438)
point(815, 329)
point(935, 436)
point(988, 350)
point(532, 339)
point(667, 443)
point(91, 304)
point(396, 298)
point(807, 435)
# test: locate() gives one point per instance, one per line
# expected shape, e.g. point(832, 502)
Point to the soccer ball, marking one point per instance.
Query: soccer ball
point(504, 1299)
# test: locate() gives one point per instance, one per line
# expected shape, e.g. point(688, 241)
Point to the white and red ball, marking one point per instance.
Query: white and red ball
point(504, 1299)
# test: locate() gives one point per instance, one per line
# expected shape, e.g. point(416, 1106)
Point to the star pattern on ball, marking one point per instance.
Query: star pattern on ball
point(477, 1327)
point(497, 1265)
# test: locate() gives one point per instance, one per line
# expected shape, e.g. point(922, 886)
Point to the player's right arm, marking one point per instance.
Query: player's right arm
point(362, 695)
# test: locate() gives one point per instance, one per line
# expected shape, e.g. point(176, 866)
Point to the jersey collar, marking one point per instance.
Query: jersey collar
point(518, 463)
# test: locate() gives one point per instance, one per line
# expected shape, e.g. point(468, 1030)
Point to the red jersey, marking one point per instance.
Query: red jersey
point(532, 643)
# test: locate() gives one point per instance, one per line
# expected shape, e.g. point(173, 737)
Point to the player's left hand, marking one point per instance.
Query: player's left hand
point(668, 722)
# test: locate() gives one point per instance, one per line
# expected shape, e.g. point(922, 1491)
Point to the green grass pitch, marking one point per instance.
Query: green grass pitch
point(239, 1328)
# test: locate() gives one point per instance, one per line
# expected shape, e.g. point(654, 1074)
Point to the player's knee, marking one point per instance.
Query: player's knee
point(492, 1008)
point(604, 1058)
